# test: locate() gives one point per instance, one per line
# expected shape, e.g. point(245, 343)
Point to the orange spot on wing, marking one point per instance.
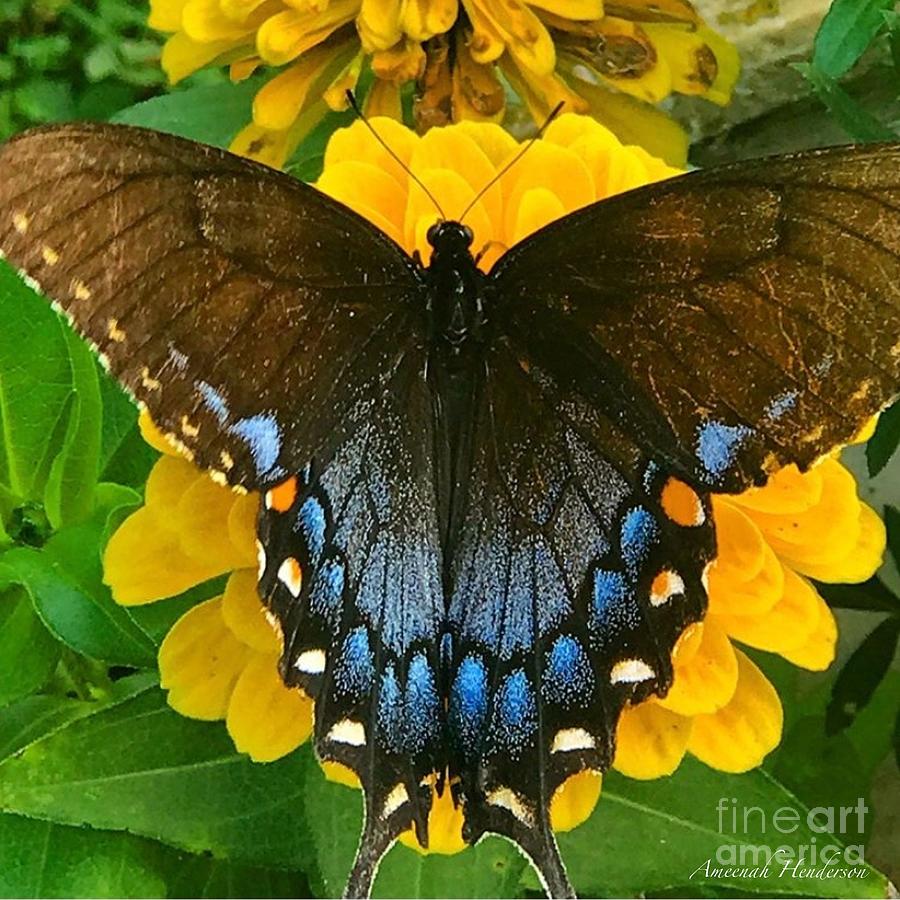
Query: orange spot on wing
point(681, 503)
point(281, 497)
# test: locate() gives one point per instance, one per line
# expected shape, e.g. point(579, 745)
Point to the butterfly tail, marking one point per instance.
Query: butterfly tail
point(378, 836)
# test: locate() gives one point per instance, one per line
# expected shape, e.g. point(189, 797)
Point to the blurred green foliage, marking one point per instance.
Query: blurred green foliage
point(62, 60)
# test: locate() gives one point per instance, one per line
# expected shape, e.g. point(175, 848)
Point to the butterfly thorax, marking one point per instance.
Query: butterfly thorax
point(456, 286)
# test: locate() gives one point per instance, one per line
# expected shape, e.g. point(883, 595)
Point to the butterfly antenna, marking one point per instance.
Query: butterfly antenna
point(522, 151)
point(351, 99)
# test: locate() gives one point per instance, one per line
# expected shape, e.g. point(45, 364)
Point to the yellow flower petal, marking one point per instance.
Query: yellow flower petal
point(182, 56)
point(279, 102)
point(650, 741)
point(705, 681)
point(269, 147)
point(738, 736)
point(200, 661)
point(153, 436)
point(266, 719)
point(817, 654)
point(203, 22)
point(525, 36)
point(384, 99)
point(786, 626)
point(366, 189)
point(201, 518)
point(537, 208)
point(822, 533)
point(378, 23)
point(635, 122)
point(245, 614)
point(165, 15)
point(242, 528)
point(423, 19)
point(746, 578)
point(144, 561)
point(445, 823)
point(574, 800)
point(861, 560)
point(283, 37)
point(340, 774)
point(356, 144)
point(787, 491)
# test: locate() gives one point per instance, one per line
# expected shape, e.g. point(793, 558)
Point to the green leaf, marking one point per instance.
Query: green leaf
point(156, 619)
point(646, 836)
point(199, 876)
point(861, 675)
point(847, 30)
point(872, 595)
point(211, 115)
point(892, 526)
point(65, 581)
point(31, 718)
point(35, 386)
point(493, 868)
point(28, 652)
point(45, 100)
point(883, 443)
point(69, 493)
point(142, 767)
point(859, 124)
point(44, 860)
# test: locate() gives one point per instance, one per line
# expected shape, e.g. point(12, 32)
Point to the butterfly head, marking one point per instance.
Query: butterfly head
point(447, 235)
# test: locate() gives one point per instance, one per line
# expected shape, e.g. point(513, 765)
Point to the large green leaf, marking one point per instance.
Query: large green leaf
point(35, 386)
point(212, 115)
point(42, 859)
point(847, 30)
point(883, 444)
point(65, 581)
point(69, 493)
point(28, 652)
point(140, 766)
point(31, 718)
point(647, 836)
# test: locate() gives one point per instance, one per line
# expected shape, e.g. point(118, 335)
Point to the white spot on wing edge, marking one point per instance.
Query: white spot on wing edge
point(395, 799)
point(630, 671)
point(507, 798)
point(348, 732)
point(260, 560)
point(291, 575)
point(568, 739)
point(311, 661)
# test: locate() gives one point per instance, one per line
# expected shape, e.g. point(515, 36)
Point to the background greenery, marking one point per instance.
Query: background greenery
point(104, 791)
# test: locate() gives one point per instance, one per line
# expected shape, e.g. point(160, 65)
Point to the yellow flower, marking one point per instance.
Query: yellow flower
point(611, 60)
point(220, 659)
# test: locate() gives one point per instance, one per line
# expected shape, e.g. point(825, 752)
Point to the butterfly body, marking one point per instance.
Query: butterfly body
point(485, 497)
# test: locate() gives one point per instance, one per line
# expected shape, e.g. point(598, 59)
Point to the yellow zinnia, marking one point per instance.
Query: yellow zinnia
point(612, 60)
point(220, 659)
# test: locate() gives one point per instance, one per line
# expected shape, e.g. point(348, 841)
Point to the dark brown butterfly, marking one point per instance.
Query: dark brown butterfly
point(464, 533)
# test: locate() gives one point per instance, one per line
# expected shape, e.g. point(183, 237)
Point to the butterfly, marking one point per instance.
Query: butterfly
point(485, 514)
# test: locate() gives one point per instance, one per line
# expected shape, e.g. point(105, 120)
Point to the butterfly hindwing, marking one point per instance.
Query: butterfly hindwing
point(735, 319)
point(570, 585)
point(242, 307)
point(351, 568)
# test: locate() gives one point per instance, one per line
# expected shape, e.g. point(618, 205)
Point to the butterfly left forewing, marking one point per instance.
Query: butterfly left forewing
point(735, 319)
point(235, 302)
point(570, 585)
